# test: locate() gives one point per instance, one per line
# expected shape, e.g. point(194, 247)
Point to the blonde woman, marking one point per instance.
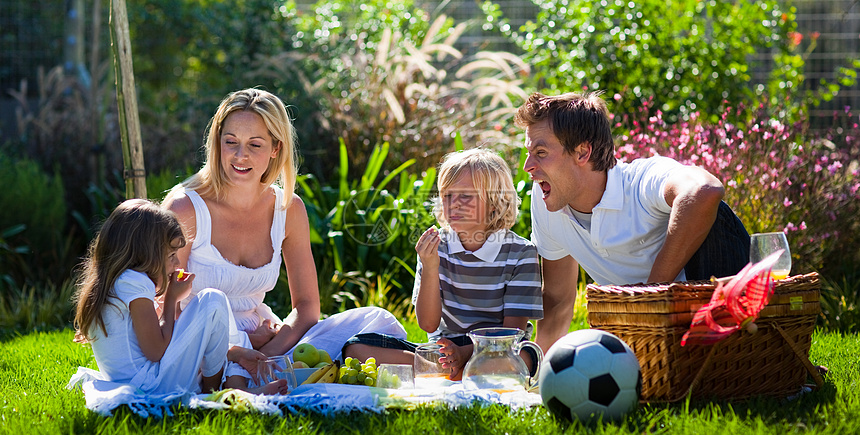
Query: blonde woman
point(241, 217)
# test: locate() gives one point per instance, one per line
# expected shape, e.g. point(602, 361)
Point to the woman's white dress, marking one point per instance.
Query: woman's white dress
point(246, 288)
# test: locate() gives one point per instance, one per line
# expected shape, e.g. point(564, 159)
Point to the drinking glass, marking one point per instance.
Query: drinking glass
point(274, 368)
point(428, 370)
point(395, 376)
point(764, 244)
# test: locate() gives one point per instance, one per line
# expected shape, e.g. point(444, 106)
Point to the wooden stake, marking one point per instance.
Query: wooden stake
point(126, 98)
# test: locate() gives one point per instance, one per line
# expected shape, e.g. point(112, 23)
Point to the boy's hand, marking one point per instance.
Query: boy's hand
point(455, 357)
point(428, 247)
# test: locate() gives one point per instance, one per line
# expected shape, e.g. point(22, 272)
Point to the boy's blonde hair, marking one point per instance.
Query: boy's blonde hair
point(284, 167)
point(492, 178)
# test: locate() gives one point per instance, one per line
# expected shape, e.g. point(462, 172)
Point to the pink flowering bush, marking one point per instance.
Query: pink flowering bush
point(778, 176)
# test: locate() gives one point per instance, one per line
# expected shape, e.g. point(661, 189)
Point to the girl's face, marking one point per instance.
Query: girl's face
point(171, 263)
point(246, 147)
point(463, 208)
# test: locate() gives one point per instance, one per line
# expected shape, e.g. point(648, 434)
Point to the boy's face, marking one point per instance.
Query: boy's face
point(463, 208)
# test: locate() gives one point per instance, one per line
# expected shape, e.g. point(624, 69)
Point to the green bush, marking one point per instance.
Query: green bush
point(689, 55)
point(43, 306)
point(157, 185)
point(363, 230)
point(36, 200)
point(840, 302)
point(387, 71)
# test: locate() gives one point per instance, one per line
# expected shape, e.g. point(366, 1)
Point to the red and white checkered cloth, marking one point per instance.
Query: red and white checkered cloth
point(733, 305)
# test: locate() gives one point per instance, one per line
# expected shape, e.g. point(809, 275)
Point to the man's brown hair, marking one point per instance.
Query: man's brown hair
point(574, 119)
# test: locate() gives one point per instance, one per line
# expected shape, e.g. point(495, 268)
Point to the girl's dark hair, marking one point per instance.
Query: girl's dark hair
point(137, 235)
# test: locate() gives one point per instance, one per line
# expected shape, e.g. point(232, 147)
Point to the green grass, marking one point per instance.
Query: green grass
point(35, 368)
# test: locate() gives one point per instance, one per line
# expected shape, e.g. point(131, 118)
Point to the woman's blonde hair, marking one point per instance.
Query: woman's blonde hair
point(211, 178)
point(137, 235)
point(492, 178)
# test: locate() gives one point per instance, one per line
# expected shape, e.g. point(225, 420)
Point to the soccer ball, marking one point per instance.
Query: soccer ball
point(590, 373)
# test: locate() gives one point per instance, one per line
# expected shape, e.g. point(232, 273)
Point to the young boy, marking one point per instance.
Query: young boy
point(474, 272)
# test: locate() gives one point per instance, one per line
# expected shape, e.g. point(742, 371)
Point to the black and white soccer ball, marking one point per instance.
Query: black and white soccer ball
point(588, 374)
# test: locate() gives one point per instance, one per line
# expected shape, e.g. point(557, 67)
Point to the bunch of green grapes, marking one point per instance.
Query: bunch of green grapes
point(355, 373)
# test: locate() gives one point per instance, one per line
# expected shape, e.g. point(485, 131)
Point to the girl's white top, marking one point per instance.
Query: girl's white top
point(118, 354)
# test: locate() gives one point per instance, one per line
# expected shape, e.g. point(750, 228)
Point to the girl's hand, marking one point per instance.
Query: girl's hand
point(428, 247)
point(179, 286)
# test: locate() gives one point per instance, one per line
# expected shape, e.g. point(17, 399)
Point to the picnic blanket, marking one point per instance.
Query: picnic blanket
point(103, 396)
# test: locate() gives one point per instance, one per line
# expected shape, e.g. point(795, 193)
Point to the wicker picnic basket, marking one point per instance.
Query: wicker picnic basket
point(651, 319)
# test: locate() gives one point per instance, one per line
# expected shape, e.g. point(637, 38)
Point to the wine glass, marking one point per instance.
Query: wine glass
point(764, 244)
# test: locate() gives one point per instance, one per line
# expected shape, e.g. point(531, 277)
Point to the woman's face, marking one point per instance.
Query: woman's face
point(246, 147)
point(463, 208)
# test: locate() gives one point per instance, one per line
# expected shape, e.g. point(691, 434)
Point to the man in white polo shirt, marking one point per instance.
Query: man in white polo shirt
point(650, 220)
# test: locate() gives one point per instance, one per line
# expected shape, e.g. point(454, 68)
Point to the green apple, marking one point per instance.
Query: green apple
point(307, 354)
point(325, 357)
point(300, 365)
point(321, 364)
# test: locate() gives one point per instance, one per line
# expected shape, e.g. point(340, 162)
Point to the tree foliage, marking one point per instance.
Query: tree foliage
point(688, 55)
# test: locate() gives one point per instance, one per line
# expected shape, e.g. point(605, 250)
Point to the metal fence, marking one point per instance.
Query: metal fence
point(837, 23)
point(31, 36)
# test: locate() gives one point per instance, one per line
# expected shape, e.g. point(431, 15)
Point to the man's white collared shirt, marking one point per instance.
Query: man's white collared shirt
point(628, 225)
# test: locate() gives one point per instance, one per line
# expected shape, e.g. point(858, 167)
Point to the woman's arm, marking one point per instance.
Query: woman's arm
point(302, 276)
point(152, 336)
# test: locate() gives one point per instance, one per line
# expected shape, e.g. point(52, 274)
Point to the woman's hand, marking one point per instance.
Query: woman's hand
point(263, 334)
point(247, 358)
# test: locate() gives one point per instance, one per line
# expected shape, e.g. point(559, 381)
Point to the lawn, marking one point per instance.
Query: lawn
point(35, 367)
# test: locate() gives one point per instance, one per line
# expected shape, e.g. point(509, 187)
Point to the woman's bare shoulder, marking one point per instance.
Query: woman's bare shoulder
point(181, 204)
point(297, 217)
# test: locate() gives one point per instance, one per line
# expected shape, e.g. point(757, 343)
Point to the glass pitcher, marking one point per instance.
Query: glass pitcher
point(496, 364)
